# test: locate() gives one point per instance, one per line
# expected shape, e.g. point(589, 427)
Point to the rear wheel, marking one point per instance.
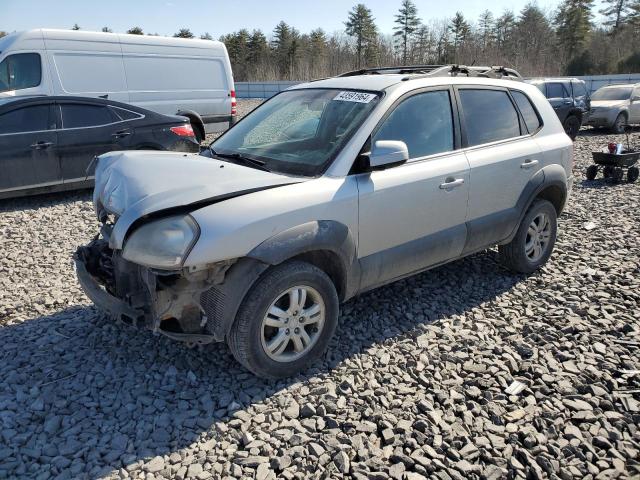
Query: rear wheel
point(619, 123)
point(532, 246)
point(286, 320)
point(572, 126)
point(592, 171)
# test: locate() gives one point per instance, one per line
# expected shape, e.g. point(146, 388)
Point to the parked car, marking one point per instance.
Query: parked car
point(325, 191)
point(48, 143)
point(569, 97)
point(173, 76)
point(615, 106)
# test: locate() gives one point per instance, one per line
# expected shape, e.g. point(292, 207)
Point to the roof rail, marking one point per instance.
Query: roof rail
point(440, 71)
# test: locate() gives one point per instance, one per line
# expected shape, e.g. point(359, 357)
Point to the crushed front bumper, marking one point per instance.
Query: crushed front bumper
point(98, 294)
point(170, 303)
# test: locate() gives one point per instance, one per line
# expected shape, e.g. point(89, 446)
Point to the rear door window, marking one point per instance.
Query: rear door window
point(557, 90)
point(579, 89)
point(20, 71)
point(424, 122)
point(76, 115)
point(531, 119)
point(489, 116)
point(34, 118)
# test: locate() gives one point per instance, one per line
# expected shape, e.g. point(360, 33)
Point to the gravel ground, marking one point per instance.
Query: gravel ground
point(415, 384)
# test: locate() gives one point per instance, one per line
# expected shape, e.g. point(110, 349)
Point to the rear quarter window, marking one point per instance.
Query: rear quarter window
point(489, 116)
point(528, 111)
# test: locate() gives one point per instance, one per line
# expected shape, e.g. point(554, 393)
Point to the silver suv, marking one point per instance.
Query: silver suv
point(325, 191)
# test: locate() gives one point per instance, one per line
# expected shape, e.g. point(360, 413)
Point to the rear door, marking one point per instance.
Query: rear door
point(559, 96)
point(503, 157)
point(87, 130)
point(27, 148)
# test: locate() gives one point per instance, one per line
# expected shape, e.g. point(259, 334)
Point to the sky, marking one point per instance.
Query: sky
point(218, 17)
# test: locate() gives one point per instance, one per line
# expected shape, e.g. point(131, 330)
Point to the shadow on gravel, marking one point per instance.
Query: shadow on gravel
point(45, 200)
point(84, 396)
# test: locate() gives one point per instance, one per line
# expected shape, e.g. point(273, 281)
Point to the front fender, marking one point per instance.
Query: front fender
point(321, 235)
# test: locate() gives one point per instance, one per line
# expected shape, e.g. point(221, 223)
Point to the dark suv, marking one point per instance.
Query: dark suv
point(570, 99)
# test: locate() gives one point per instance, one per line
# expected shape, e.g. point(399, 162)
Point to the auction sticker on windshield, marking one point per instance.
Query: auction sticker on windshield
point(359, 97)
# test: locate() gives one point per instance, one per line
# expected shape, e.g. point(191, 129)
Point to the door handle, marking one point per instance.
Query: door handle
point(121, 133)
point(529, 163)
point(41, 145)
point(451, 183)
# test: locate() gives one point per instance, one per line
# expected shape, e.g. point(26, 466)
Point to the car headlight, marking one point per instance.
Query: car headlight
point(162, 244)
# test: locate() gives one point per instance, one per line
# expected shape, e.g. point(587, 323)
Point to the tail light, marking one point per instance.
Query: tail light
point(183, 131)
point(234, 103)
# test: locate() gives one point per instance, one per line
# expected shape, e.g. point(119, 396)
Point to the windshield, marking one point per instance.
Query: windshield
point(612, 94)
point(298, 132)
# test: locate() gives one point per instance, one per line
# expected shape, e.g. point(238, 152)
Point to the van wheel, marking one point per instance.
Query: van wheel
point(572, 126)
point(534, 241)
point(286, 320)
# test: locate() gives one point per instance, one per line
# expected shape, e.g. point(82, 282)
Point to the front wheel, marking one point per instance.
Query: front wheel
point(534, 241)
point(592, 171)
point(286, 320)
point(632, 174)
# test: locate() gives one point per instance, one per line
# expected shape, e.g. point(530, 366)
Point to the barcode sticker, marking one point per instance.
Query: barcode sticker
point(359, 97)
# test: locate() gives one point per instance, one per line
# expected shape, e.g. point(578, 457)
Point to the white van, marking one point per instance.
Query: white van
point(181, 76)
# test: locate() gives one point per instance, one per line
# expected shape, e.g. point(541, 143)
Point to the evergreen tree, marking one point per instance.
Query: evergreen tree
point(504, 31)
point(107, 30)
point(616, 13)
point(135, 31)
point(281, 46)
point(407, 24)
point(184, 33)
point(361, 26)
point(75, 27)
point(459, 29)
point(573, 25)
point(486, 24)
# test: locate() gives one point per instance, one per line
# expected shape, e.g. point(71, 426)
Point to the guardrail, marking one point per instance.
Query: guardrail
point(269, 89)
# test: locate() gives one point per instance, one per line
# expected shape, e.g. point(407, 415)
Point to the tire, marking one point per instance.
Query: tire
point(250, 337)
point(514, 255)
point(572, 126)
point(619, 123)
point(632, 174)
point(592, 171)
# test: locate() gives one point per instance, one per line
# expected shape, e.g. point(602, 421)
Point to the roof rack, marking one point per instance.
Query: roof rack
point(497, 71)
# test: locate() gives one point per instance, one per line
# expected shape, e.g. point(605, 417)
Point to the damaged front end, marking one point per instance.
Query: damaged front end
point(166, 301)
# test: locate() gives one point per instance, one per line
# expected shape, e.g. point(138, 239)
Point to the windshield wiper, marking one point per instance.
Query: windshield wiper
point(240, 158)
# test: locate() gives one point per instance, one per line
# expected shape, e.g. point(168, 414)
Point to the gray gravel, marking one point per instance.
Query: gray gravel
point(418, 382)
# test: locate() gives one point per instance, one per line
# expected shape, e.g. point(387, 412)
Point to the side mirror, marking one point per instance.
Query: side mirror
point(388, 153)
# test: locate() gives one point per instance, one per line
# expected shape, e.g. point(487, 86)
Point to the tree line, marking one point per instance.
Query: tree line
point(566, 41)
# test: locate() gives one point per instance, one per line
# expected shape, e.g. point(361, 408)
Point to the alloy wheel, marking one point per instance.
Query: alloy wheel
point(293, 323)
point(538, 237)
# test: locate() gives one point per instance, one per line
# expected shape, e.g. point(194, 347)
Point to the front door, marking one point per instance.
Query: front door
point(503, 158)
point(634, 106)
point(87, 130)
point(27, 148)
point(412, 216)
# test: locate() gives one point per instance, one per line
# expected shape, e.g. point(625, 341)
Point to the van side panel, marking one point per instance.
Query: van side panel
point(83, 66)
point(172, 78)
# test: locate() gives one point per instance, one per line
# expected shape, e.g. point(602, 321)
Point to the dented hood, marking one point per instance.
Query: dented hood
point(133, 184)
